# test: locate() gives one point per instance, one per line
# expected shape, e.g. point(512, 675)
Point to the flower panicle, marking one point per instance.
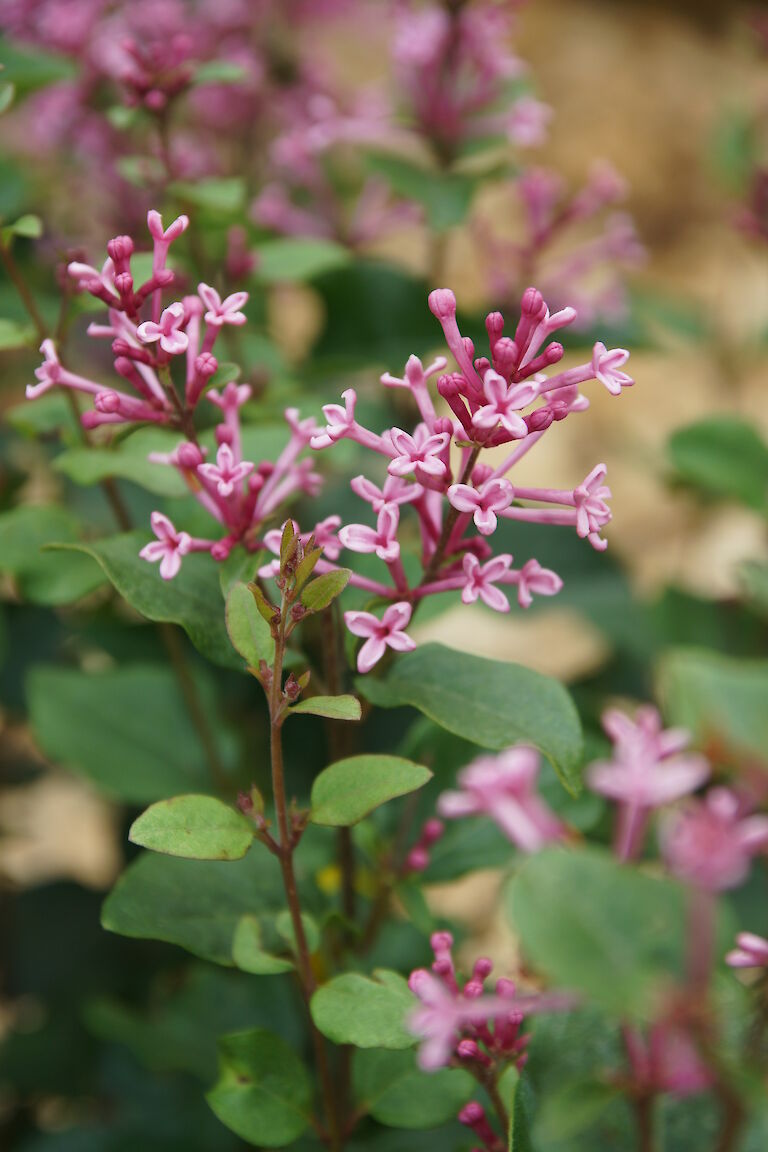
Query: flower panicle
point(434, 470)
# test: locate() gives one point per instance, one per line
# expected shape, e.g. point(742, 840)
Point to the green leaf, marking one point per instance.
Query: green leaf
point(596, 926)
point(350, 789)
point(519, 1135)
point(334, 707)
point(289, 260)
point(127, 729)
point(224, 195)
point(15, 334)
point(45, 577)
point(128, 459)
point(321, 592)
point(754, 581)
point(263, 1093)
point(446, 196)
point(284, 927)
point(196, 904)
point(248, 630)
point(720, 699)
point(48, 414)
point(7, 94)
point(248, 954)
point(195, 827)
point(365, 1012)
point(491, 703)
point(193, 599)
point(726, 457)
point(573, 1108)
point(394, 1090)
point(29, 227)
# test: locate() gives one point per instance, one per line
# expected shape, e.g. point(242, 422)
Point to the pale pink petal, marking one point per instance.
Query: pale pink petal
point(370, 653)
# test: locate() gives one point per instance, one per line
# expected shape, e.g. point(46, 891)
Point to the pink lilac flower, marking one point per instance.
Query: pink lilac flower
point(465, 1023)
point(239, 495)
point(503, 788)
point(382, 539)
point(576, 246)
point(751, 952)
point(711, 843)
point(380, 634)
point(666, 1060)
point(220, 311)
point(649, 769)
point(169, 548)
point(225, 473)
point(435, 473)
point(482, 503)
point(481, 581)
point(167, 331)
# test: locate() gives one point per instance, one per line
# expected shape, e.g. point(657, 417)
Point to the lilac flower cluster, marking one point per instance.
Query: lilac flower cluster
point(454, 67)
point(460, 1024)
point(167, 360)
point(435, 470)
point(577, 247)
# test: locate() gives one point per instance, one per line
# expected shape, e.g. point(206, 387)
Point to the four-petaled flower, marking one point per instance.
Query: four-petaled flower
point(340, 420)
point(382, 539)
point(503, 788)
point(480, 581)
point(172, 340)
point(592, 511)
point(751, 952)
point(226, 311)
point(380, 634)
point(710, 844)
point(606, 365)
point(169, 548)
point(225, 473)
point(48, 373)
point(393, 491)
point(419, 453)
point(532, 578)
point(484, 502)
point(504, 403)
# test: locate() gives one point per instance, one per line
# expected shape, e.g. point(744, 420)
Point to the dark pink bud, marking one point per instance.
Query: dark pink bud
point(442, 304)
point(417, 859)
point(124, 283)
point(155, 100)
point(107, 401)
point(532, 303)
point(120, 249)
point(206, 364)
point(539, 420)
point(123, 349)
point(483, 968)
point(90, 419)
point(494, 326)
point(224, 434)
point(433, 830)
point(255, 482)
point(482, 364)
point(189, 456)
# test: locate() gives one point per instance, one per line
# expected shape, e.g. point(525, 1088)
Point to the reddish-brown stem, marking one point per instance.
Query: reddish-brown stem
point(337, 744)
point(285, 855)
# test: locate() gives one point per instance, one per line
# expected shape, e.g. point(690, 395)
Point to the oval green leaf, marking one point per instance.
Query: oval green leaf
point(322, 591)
point(596, 926)
point(248, 630)
point(363, 1011)
point(263, 1093)
point(248, 953)
point(334, 707)
point(394, 1090)
point(491, 703)
point(194, 827)
point(350, 789)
